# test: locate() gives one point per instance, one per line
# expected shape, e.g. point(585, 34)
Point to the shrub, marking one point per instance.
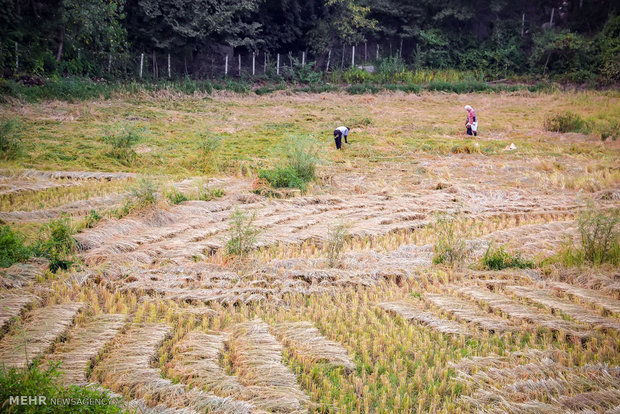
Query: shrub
point(144, 193)
point(449, 249)
point(283, 177)
point(599, 236)
point(10, 141)
point(176, 197)
point(207, 194)
point(300, 168)
point(209, 146)
point(122, 142)
point(36, 382)
point(243, 233)
point(12, 249)
point(92, 219)
point(498, 259)
point(56, 243)
point(336, 237)
point(565, 122)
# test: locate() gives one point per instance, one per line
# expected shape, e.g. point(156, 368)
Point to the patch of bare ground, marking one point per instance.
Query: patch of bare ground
point(592, 296)
point(469, 312)
point(196, 362)
point(574, 311)
point(515, 310)
point(23, 274)
point(13, 305)
point(257, 360)
point(412, 312)
point(41, 327)
point(304, 338)
point(84, 345)
point(126, 368)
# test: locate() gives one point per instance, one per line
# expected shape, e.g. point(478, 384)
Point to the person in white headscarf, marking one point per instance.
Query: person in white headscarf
point(339, 133)
point(472, 121)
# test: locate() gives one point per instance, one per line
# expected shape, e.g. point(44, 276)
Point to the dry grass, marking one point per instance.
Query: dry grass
point(23, 274)
point(12, 306)
point(468, 312)
point(36, 335)
point(304, 339)
point(196, 362)
point(409, 311)
point(257, 360)
point(84, 344)
point(515, 310)
point(574, 311)
point(597, 299)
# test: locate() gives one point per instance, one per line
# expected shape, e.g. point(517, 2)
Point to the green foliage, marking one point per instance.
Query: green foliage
point(207, 194)
point(12, 248)
point(336, 238)
point(607, 46)
point(121, 141)
point(600, 239)
point(449, 248)
point(92, 219)
point(176, 197)
point(565, 122)
point(144, 194)
point(56, 243)
point(10, 141)
point(564, 53)
point(498, 259)
point(36, 382)
point(282, 177)
point(242, 233)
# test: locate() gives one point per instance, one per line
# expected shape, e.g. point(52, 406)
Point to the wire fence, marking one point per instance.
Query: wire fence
point(224, 63)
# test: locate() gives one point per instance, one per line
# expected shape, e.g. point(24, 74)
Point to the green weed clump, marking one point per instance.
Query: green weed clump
point(300, 167)
point(600, 238)
point(56, 243)
point(449, 249)
point(12, 248)
point(144, 194)
point(565, 122)
point(176, 197)
point(44, 384)
point(243, 233)
point(121, 143)
point(498, 259)
point(10, 141)
point(206, 194)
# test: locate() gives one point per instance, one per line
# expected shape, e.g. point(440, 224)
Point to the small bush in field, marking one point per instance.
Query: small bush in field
point(176, 197)
point(12, 248)
point(498, 259)
point(144, 193)
point(336, 238)
point(565, 122)
point(243, 233)
point(122, 141)
point(449, 249)
point(10, 141)
point(56, 243)
point(599, 235)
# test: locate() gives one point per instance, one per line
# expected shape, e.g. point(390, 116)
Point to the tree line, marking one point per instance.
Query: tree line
point(574, 39)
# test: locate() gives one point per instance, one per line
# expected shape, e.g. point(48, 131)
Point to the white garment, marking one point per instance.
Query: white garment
point(344, 130)
point(474, 126)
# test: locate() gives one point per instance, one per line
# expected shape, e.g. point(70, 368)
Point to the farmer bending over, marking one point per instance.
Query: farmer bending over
point(472, 121)
point(340, 132)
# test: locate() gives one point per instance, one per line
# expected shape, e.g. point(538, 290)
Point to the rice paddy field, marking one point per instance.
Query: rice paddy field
point(156, 311)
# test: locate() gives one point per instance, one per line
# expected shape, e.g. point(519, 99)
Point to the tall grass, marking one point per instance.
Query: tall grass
point(12, 248)
point(56, 243)
point(10, 140)
point(299, 167)
point(449, 249)
point(242, 233)
point(600, 238)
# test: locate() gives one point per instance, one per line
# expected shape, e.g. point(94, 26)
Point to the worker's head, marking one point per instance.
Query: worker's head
point(468, 108)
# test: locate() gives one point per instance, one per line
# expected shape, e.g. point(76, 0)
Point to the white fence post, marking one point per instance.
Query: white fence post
point(353, 56)
point(253, 63)
point(278, 65)
point(239, 64)
point(329, 56)
point(265, 63)
point(377, 57)
point(169, 72)
point(141, 64)
point(226, 66)
point(16, 58)
point(303, 58)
